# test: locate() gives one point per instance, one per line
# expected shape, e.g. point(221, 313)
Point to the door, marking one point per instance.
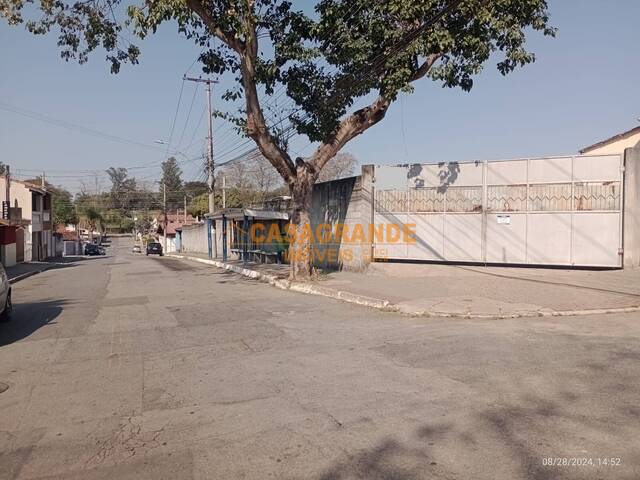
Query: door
point(19, 245)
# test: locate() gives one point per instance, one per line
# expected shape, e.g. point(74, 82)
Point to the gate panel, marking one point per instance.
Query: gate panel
point(429, 236)
point(596, 239)
point(506, 240)
point(549, 211)
point(549, 239)
point(463, 237)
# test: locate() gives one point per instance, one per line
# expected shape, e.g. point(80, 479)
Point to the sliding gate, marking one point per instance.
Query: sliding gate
point(546, 211)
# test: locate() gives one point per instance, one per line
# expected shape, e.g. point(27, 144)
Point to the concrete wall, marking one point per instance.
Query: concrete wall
point(346, 201)
point(631, 233)
point(170, 245)
point(194, 238)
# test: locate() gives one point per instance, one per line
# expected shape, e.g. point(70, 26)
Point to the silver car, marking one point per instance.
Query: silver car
point(5, 296)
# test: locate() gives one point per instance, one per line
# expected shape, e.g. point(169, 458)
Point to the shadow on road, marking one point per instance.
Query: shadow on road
point(29, 317)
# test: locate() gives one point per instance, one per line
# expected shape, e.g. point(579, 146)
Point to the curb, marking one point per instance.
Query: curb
point(386, 305)
point(25, 275)
point(299, 287)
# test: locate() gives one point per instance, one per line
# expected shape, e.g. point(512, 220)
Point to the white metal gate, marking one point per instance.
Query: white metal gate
point(546, 211)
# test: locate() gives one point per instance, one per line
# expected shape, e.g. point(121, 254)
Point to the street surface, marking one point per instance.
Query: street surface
point(134, 367)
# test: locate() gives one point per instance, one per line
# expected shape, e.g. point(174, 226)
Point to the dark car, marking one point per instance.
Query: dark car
point(92, 249)
point(154, 248)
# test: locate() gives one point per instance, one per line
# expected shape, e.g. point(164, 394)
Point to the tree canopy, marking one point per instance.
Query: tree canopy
point(172, 181)
point(325, 61)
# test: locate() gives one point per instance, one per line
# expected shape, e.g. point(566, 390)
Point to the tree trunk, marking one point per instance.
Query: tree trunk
point(301, 247)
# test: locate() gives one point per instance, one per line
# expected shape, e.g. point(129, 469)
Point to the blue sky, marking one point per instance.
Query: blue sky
point(583, 88)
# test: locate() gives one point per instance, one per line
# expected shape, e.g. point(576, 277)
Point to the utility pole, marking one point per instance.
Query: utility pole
point(210, 168)
point(224, 192)
point(210, 163)
point(7, 174)
point(164, 206)
point(185, 210)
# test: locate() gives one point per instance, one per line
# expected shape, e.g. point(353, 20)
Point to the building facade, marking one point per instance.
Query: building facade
point(28, 212)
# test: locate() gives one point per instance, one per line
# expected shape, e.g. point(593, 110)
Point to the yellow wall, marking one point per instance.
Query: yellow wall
point(616, 147)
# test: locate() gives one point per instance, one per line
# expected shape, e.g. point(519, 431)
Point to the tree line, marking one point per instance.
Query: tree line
point(130, 203)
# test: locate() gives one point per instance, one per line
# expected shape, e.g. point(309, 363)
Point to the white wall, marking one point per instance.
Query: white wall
point(9, 254)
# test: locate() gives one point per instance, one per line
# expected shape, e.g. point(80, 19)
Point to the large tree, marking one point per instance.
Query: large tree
point(323, 61)
point(64, 211)
point(172, 181)
point(123, 192)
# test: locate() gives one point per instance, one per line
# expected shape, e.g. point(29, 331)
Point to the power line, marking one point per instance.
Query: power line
point(175, 116)
point(186, 122)
point(72, 126)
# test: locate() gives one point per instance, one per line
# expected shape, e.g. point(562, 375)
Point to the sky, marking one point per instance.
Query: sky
point(582, 88)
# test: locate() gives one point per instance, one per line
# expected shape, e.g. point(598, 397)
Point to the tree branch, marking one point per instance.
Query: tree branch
point(362, 120)
point(423, 69)
point(350, 127)
point(226, 37)
point(256, 124)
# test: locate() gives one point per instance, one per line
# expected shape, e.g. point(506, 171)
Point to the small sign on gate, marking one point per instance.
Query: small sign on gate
point(504, 219)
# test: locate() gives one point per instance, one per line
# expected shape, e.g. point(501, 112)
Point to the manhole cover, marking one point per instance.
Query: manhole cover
point(3, 387)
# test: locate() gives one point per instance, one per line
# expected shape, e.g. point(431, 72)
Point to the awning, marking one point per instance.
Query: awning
point(240, 213)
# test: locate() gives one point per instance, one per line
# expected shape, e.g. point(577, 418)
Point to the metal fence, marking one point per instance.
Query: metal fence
point(552, 211)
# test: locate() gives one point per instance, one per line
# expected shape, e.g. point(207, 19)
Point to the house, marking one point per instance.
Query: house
point(616, 144)
point(27, 208)
point(175, 222)
point(69, 241)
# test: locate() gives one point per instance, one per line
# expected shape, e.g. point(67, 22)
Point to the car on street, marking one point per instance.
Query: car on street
point(91, 249)
point(136, 249)
point(5, 296)
point(154, 248)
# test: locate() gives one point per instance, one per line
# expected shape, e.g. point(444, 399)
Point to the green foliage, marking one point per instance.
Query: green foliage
point(199, 205)
point(193, 189)
point(123, 195)
point(172, 181)
point(63, 208)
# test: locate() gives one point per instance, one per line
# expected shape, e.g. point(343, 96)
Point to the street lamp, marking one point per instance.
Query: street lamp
point(175, 152)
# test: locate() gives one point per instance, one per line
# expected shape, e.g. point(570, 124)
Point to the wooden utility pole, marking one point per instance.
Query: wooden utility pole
point(210, 163)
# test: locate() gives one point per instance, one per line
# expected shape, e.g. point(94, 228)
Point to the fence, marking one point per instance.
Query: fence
point(552, 211)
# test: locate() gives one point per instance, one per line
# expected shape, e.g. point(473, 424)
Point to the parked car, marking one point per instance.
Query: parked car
point(5, 296)
point(136, 249)
point(154, 248)
point(92, 249)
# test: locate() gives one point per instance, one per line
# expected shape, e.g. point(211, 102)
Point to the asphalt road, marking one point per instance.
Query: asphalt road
point(134, 367)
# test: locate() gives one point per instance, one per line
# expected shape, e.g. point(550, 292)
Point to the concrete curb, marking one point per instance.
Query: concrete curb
point(26, 275)
point(386, 305)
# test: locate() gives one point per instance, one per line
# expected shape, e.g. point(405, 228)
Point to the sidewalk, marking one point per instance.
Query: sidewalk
point(24, 270)
point(449, 290)
point(463, 291)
